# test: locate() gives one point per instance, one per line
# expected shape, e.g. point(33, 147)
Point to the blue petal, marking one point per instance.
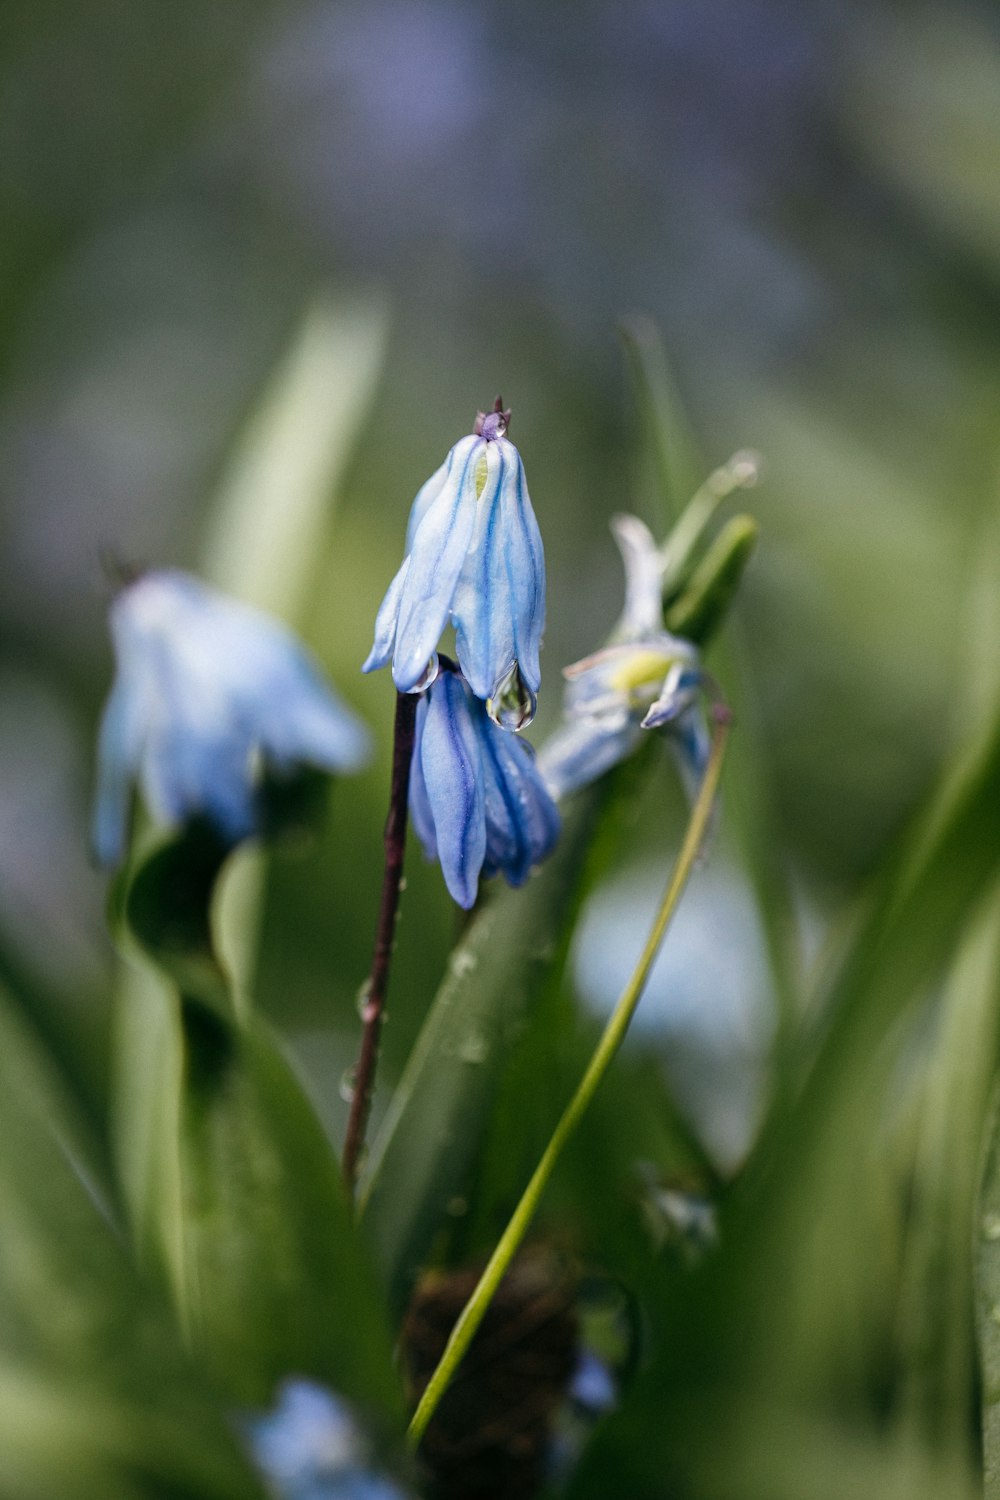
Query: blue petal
point(304, 722)
point(215, 692)
point(186, 773)
point(690, 743)
point(499, 608)
point(385, 622)
point(643, 612)
point(425, 497)
point(420, 808)
point(451, 766)
point(522, 821)
point(680, 689)
point(440, 544)
point(309, 1434)
point(584, 749)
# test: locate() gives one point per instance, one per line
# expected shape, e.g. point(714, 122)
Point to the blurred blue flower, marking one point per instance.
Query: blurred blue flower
point(209, 696)
point(474, 556)
point(646, 679)
point(477, 799)
point(310, 1448)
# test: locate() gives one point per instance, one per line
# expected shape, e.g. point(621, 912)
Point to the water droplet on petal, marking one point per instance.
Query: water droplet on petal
point(348, 1085)
point(362, 1000)
point(427, 677)
point(513, 704)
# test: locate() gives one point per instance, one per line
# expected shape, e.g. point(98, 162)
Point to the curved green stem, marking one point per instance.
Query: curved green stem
point(611, 1039)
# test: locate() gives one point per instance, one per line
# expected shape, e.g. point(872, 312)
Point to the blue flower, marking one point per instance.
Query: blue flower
point(478, 802)
point(310, 1448)
point(209, 696)
point(645, 679)
point(474, 557)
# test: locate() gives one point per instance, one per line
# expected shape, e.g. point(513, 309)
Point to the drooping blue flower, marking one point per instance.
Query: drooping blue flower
point(474, 557)
point(645, 679)
point(209, 697)
point(309, 1447)
point(478, 802)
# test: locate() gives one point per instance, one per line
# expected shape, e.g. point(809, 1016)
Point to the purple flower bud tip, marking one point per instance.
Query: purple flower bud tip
point(492, 425)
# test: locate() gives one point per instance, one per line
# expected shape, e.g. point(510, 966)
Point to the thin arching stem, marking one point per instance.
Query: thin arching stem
point(375, 992)
point(611, 1039)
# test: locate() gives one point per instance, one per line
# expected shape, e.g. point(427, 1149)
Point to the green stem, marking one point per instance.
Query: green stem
point(611, 1039)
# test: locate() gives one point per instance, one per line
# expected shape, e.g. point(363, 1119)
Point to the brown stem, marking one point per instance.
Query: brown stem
point(374, 1008)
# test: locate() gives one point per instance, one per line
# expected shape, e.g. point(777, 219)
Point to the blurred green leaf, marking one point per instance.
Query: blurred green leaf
point(96, 1397)
point(269, 1274)
point(513, 949)
point(704, 602)
point(168, 908)
point(988, 1242)
point(670, 441)
point(935, 1316)
point(277, 1281)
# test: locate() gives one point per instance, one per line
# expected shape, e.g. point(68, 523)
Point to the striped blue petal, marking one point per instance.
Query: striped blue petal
point(451, 767)
point(477, 797)
point(385, 622)
point(440, 544)
point(419, 802)
point(522, 821)
point(499, 608)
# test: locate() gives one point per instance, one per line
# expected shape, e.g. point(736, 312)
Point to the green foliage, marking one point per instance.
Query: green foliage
point(98, 1396)
point(271, 1277)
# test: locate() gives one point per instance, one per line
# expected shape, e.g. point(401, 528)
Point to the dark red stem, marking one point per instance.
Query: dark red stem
point(374, 1008)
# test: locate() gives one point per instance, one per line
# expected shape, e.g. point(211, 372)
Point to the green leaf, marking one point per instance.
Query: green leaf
point(936, 1295)
point(168, 908)
point(987, 1240)
point(96, 1396)
point(512, 950)
point(670, 441)
point(276, 1279)
point(268, 1270)
point(698, 611)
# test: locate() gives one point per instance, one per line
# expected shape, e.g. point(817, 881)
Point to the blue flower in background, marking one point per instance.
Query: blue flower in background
point(477, 799)
point(209, 696)
point(310, 1448)
point(646, 679)
point(474, 557)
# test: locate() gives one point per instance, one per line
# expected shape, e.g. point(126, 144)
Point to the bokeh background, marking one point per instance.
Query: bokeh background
point(262, 262)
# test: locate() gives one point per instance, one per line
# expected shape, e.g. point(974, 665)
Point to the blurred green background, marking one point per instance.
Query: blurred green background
point(260, 266)
point(451, 201)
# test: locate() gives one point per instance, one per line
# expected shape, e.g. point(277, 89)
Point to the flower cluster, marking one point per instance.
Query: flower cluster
point(473, 558)
point(645, 679)
point(210, 697)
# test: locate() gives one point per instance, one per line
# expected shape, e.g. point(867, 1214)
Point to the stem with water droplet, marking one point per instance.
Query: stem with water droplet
point(611, 1039)
point(373, 1011)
